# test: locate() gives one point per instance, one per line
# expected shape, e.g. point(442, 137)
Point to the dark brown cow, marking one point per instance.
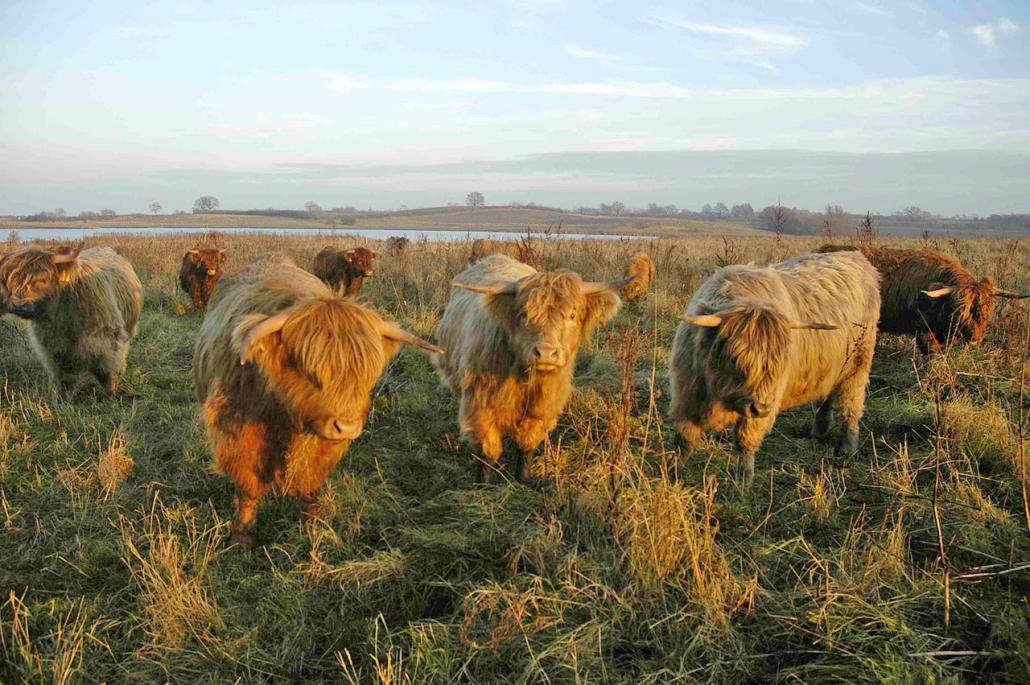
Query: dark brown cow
point(199, 273)
point(344, 270)
point(398, 245)
point(932, 296)
point(284, 368)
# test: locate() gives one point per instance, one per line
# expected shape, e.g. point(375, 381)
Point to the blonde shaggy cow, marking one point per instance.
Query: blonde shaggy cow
point(757, 340)
point(82, 307)
point(510, 336)
point(642, 271)
point(284, 368)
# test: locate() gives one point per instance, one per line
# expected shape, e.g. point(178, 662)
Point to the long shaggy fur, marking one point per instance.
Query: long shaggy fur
point(642, 269)
point(199, 273)
point(484, 247)
point(755, 359)
point(486, 341)
point(321, 365)
point(87, 311)
point(961, 317)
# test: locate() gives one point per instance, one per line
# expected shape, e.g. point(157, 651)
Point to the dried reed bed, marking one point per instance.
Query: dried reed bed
point(628, 561)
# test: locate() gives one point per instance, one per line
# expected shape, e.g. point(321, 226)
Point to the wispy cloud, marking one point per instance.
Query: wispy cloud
point(766, 66)
point(766, 37)
point(588, 53)
point(943, 35)
point(339, 81)
point(867, 8)
point(987, 34)
point(632, 89)
point(433, 106)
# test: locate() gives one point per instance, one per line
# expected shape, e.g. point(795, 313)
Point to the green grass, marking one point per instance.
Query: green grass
point(630, 561)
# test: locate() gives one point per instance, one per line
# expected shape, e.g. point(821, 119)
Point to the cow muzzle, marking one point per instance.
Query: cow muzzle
point(212, 272)
point(27, 310)
point(368, 274)
point(546, 357)
point(337, 429)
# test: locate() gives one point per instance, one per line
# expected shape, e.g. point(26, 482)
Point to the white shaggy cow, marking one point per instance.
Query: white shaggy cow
point(757, 340)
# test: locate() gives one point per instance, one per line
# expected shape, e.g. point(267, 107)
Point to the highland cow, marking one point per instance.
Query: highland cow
point(345, 270)
point(510, 336)
point(756, 341)
point(398, 245)
point(199, 273)
point(931, 295)
point(641, 269)
point(82, 307)
point(284, 368)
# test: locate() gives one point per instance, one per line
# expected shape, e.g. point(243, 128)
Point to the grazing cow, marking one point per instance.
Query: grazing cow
point(398, 245)
point(483, 247)
point(757, 340)
point(931, 295)
point(82, 307)
point(510, 336)
point(641, 270)
point(344, 270)
point(284, 368)
point(200, 271)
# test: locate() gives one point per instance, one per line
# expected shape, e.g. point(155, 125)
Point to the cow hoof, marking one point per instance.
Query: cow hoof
point(486, 472)
point(241, 539)
point(848, 445)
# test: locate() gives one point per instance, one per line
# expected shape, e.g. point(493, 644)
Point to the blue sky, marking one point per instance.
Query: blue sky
point(101, 100)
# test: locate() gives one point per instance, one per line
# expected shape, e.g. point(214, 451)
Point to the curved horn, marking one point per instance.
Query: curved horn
point(394, 332)
point(939, 292)
point(68, 258)
point(705, 320)
point(251, 341)
point(998, 292)
point(503, 288)
point(813, 326)
point(591, 287)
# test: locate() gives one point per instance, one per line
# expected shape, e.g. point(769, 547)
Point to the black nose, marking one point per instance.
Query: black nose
point(758, 410)
point(25, 311)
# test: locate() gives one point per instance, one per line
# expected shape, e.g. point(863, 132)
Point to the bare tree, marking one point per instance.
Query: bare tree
point(108, 213)
point(155, 208)
point(475, 199)
point(312, 207)
point(866, 233)
point(205, 203)
point(60, 213)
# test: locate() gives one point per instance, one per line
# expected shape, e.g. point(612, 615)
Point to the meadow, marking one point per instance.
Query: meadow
point(627, 561)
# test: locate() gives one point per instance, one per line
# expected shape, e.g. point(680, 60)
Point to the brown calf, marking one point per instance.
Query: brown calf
point(344, 270)
point(199, 273)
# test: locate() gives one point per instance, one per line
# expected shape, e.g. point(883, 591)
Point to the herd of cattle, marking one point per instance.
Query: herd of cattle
point(286, 359)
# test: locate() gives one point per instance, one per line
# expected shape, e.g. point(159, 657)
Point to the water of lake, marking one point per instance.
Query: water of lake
point(29, 234)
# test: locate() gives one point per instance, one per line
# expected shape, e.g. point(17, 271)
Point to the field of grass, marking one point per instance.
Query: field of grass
point(630, 561)
point(433, 219)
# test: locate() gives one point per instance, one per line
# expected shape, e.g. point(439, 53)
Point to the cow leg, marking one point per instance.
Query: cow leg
point(246, 517)
point(531, 432)
point(852, 406)
point(490, 447)
point(691, 433)
point(822, 418)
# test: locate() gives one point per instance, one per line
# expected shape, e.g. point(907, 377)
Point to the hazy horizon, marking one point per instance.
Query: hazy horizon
point(118, 105)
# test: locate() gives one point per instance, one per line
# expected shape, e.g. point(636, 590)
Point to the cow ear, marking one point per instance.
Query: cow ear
point(349, 255)
point(221, 256)
point(703, 320)
point(938, 290)
point(194, 255)
point(257, 333)
point(601, 307)
point(392, 331)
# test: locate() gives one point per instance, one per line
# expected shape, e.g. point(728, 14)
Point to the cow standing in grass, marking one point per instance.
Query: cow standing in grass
point(510, 336)
point(932, 296)
point(398, 245)
point(757, 340)
point(82, 307)
point(199, 273)
point(642, 271)
point(284, 368)
point(344, 270)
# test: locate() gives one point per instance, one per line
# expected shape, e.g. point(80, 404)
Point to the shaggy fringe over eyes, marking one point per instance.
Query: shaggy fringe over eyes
point(547, 298)
point(20, 267)
point(757, 340)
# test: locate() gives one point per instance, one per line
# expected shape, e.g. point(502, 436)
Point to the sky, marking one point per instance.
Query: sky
point(119, 104)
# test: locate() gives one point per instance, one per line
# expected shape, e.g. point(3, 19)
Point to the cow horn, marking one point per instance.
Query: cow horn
point(939, 292)
point(814, 326)
point(58, 258)
point(395, 332)
point(503, 288)
point(252, 339)
point(998, 292)
point(592, 287)
point(704, 320)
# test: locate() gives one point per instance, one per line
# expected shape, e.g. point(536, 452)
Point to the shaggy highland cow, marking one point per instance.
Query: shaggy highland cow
point(344, 270)
point(510, 336)
point(757, 340)
point(284, 368)
point(200, 271)
point(398, 245)
point(82, 307)
point(641, 270)
point(931, 295)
